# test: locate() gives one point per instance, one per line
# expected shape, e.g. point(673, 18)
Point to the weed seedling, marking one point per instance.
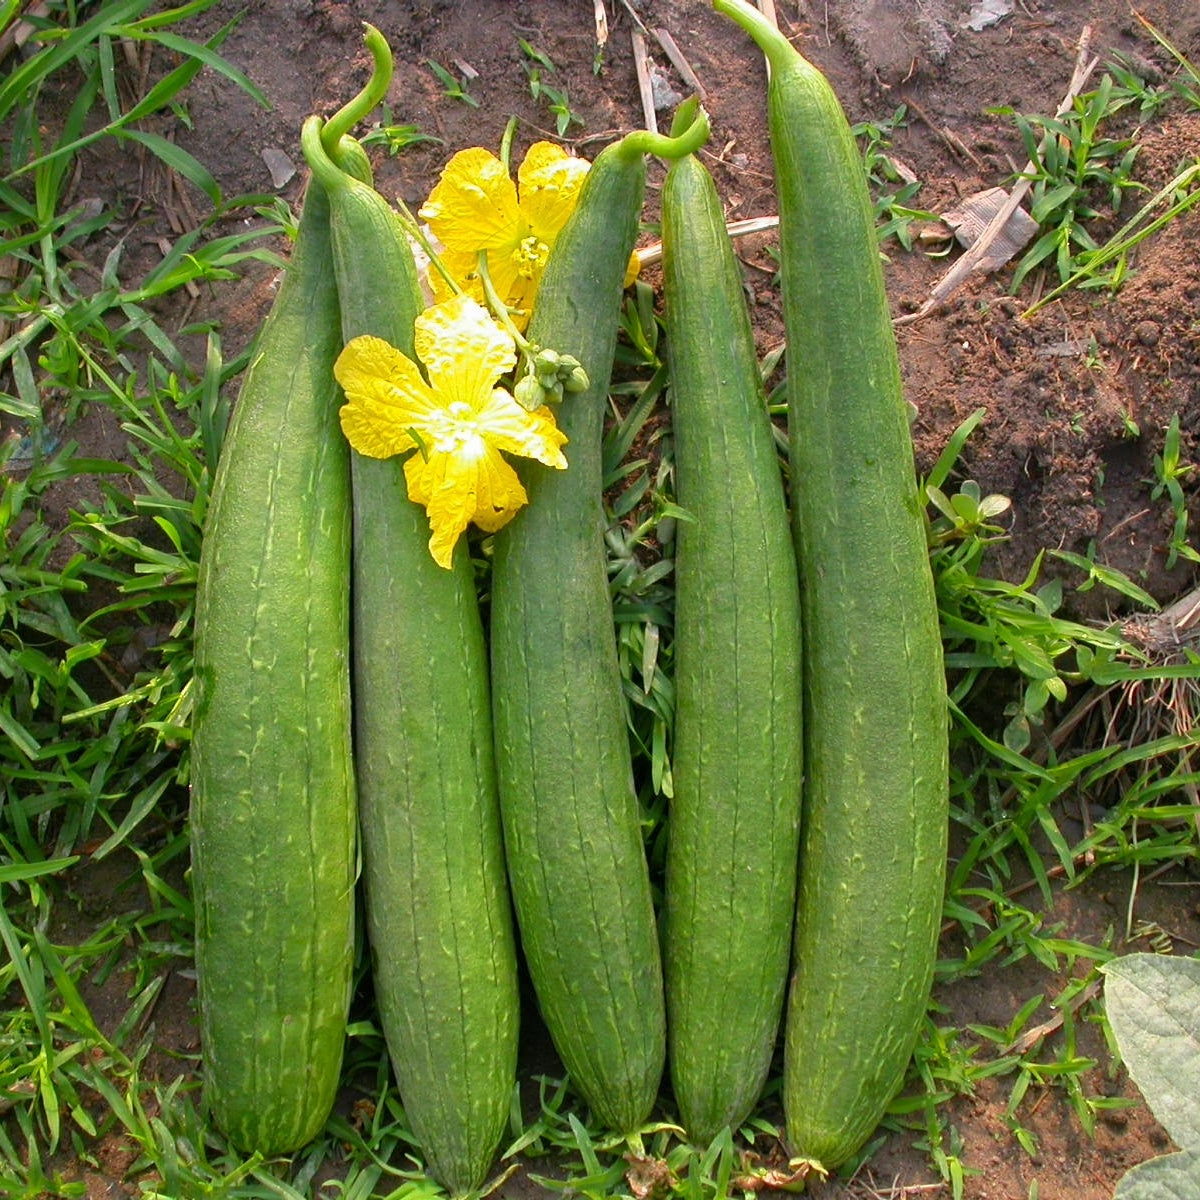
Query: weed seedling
point(1106, 266)
point(394, 137)
point(1186, 85)
point(1075, 169)
point(538, 65)
point(1169, 473)
point(454, 87)
point(892, 186)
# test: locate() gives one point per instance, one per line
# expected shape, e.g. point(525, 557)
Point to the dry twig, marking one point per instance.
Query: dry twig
point(678, 61)
point(641, 63)
point(1031, 1037)
point(951, 139)
point(601, 15)
point(649, 255)
point(20, 31)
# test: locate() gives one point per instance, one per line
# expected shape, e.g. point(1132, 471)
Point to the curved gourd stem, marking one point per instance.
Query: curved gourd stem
point(372, 93)
point(325, 170)
point(678, 144)
point(780, 53)
point(347, 162)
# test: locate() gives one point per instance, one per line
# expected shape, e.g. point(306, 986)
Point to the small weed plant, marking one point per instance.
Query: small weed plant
point(893, 185)
point(454, 86)
point(395, 137)
point(539, 66)
point(1170, 473)
point(1081, 174)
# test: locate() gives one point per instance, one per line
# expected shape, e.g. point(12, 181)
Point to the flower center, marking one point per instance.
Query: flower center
point(530, 256)
point(457, 430)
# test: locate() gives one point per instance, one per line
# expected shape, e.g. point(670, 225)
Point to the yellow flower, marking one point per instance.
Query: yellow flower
point(458, 422)
point(476, 208)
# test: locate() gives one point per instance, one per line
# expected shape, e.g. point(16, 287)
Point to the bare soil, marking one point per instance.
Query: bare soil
point(1061, 388)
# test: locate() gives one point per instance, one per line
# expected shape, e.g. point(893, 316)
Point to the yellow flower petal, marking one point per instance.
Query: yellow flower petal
point(530, 434)
point(459, 421)
point(632, 269)
point(457, 489)
point(476, 207)
point(463, 267)
point(464, 351)
point(499, 494)
point(473, 206)
point(549, 180)
point(542, 158)
point(515, 283)
point(385, 397)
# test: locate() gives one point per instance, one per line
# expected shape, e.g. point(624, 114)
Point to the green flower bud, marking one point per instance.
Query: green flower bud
point(529, 393)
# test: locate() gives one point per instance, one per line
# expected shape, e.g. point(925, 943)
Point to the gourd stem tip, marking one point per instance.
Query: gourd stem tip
point(673, 146)
point(372, 94)
point(770, 39)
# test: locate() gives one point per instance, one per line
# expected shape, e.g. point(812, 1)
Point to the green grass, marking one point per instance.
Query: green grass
point(538, 66)
point(98, 562)
point(1081, 173)
point(454, 87)
point(893, 188)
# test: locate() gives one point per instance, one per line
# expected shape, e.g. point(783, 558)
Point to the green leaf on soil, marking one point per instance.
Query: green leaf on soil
point(1153, 1004)
point(1168, 1177)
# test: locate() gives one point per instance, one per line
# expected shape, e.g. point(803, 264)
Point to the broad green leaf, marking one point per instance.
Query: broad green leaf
point(1153, 1003)
point(1168, 1177)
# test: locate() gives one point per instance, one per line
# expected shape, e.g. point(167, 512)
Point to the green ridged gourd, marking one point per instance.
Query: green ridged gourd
point(572, 822)
point(272, 803)
point(875, 821)
point(734, 815)
point(436, 895)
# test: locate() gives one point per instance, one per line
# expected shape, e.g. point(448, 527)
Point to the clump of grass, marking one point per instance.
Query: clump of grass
point(538, 67)
point(1080, 175)
point(893, 186)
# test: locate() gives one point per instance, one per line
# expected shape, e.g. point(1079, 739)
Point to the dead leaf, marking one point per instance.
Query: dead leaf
point(971, 218)
point(649, 1177)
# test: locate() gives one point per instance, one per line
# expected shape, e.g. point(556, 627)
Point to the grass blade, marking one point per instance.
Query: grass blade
point(16, 88)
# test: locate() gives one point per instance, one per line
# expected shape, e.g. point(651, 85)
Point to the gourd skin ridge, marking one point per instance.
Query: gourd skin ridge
point(272, 819)
point(735, 810)
point(572, 822)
